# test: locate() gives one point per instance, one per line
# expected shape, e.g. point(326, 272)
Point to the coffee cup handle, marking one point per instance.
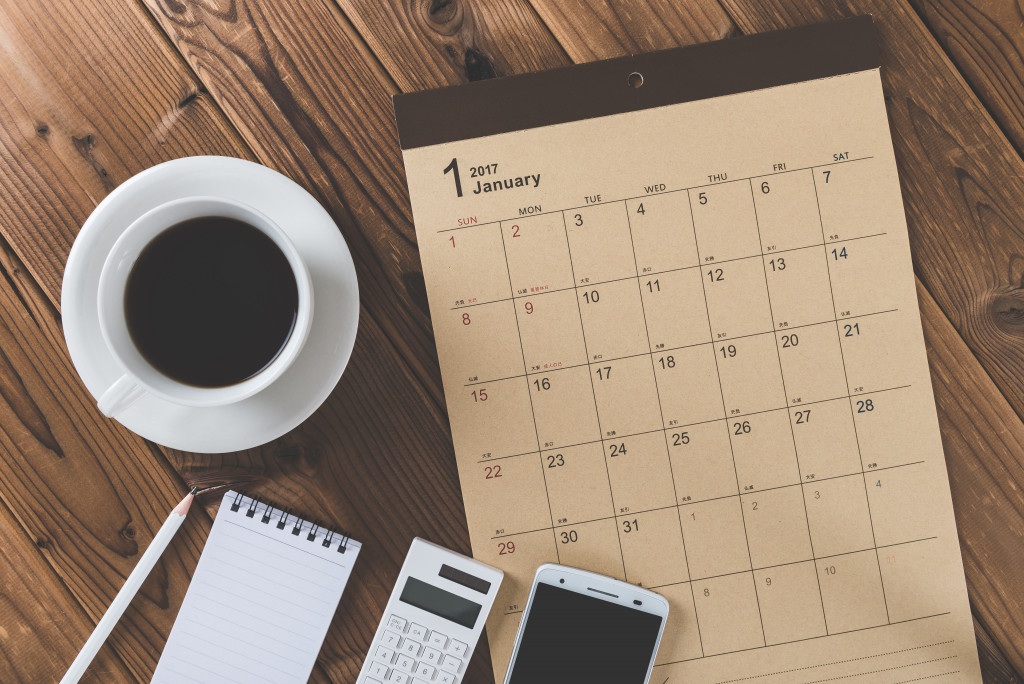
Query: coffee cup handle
point(120, 396)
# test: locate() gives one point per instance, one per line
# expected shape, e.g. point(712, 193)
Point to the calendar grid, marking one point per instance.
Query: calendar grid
point(732, 449)
point(661, 409)
point(856, 435)
point(663, 192)
point(598, 349)
point(782, 375)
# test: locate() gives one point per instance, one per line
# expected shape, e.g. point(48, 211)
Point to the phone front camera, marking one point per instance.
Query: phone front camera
point(561, 581)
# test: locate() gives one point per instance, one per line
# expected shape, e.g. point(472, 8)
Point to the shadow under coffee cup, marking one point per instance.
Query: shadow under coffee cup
point(203, 301)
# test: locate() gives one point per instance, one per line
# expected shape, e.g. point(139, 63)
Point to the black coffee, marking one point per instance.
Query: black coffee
point(211, 301)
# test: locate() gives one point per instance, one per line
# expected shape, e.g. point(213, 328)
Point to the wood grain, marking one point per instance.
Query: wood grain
point(985, 39)
point(444, 42)
point(611, 28)
point(77, 117)
point(87, 494)
point(965, 234)
point(42, 627)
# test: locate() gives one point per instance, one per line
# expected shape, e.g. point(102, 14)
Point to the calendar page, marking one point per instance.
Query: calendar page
point(678, 329)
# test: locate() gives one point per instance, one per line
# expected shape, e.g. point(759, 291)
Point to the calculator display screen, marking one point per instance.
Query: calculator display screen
point(571, 637)
point(440, 602)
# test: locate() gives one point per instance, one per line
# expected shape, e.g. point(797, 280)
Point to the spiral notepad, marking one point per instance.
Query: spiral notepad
point(261, 600)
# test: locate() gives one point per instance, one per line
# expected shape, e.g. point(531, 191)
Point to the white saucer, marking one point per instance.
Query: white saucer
point(311, 377)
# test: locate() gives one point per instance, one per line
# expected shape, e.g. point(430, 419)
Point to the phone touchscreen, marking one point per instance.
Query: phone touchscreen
point(571, 637)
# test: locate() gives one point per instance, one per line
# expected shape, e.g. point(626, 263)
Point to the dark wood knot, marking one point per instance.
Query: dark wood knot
point(1008, 312)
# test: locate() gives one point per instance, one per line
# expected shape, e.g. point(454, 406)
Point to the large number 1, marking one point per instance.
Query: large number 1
point(454, 167)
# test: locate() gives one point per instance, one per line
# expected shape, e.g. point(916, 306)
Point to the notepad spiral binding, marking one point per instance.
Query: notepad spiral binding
point(252, 506)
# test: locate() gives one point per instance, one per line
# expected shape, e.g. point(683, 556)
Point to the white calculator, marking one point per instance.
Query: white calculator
point(433, 618)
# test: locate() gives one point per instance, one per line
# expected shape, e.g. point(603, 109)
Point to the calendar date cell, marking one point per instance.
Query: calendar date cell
point(888, 492)
point(866, 275)
point(737, 298)
point(641, 533)
point(493, 419)
point(688, 385)
point(812, 364)
point(912, 587)
point(724, 222)
point(776, 527)
point(762, 446)
point(867, 349)
point(674, 309)
point(550, 331)
point(627, 396)
point(727, 611)
point(512, 496)
point(662, 231)
point(851, 591)
point(787, 211)
point(851, 205)
point(487, 326)
point(592, 546)
point(884, 438)
point(750, 375)
point(838, 515)
point(639, 472)
point(799, 286)
point(702, 462)
point(538, 254)
point(599, 243)
point(715, 540)
point(790, 602)
point(613, 320)
point(826, 443)
point(477, 255)
point(563, 406)
point(577, 483)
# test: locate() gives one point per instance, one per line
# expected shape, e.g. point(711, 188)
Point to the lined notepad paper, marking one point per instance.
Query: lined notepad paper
point(261, 599)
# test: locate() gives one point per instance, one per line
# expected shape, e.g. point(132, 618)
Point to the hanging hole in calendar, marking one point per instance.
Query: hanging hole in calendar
point(635, 79)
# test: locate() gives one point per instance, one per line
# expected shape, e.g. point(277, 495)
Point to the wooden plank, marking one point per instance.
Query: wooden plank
point(983, 439)
point(428, 45)
point(963, 219)
point(994, 666)
point(91, 494)
point(78, 115)
point(610, 28)
point(985, 39)
point(42, 627)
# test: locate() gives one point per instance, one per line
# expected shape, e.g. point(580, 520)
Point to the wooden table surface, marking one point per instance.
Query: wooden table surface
point(93, 92)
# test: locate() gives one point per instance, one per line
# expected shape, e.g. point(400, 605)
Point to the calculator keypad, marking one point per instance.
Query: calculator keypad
point(409, 653)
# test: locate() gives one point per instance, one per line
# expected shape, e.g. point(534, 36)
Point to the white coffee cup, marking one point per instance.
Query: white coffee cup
point(139, 376)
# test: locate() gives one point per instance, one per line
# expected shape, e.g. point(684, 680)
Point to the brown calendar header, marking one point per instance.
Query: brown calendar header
point(595, 89)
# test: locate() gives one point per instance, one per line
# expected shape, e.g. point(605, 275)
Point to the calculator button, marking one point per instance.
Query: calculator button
point(395, 622)
point(410, 647)
point(418, 632)
point(378, 669)
point(437, 639)
point(399, 677)
point(420, 681)
point(424, 670)
point(431, 656)
point(457, 648)
point(445, 678)
point(385, 654)
point(405, 663)
point(371, 680)
point(390, 639)
point(451, 664)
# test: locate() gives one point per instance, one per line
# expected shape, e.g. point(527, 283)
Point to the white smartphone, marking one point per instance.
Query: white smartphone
point(579, 627)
